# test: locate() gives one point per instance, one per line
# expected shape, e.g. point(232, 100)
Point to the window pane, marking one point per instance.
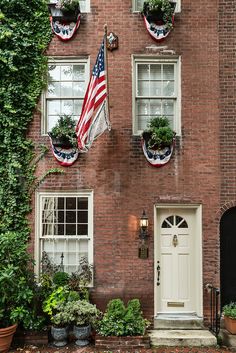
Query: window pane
point(78, 89)
point(66, 89)
point(156, 88)
point(67, 106)
point(54, 89)
point(83, 217)
point(82, 203)
point(79, 72)
point(155, 107)
point(66, 73)
point(143, 72)
point(168, 72)
point(71, 203)
point(155, 72)
point(54, 73)
point(70, 229)
point(71, 217)
point(54, 107)
point(143, 88)
point(77, 107)
point(143, 106)
point(82, 229)
point(168, 88)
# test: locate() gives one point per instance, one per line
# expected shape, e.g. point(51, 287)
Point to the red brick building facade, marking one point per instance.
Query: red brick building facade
point(113, 182)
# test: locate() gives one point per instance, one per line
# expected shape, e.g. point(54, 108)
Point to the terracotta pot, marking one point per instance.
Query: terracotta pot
point(6, 335)
point(230, 324)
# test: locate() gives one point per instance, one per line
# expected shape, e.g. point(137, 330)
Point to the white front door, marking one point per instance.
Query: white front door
point(176, 275)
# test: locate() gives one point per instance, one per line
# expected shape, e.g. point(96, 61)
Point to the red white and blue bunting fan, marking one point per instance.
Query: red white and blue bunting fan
point(158, 31)
point(64, 30)
point(157, 158)
point(65, 156)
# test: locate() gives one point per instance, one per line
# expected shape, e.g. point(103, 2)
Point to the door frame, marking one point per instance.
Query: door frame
point(197, 248)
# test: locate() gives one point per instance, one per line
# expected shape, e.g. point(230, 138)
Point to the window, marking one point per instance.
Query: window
point(156, 92)
point(64, 225)
point(67, 82)
point(138, 5)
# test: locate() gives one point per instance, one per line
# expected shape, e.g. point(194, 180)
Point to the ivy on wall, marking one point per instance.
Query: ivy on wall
point(24, 35)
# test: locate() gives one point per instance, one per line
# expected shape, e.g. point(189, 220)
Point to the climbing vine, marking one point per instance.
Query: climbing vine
point(24, 35)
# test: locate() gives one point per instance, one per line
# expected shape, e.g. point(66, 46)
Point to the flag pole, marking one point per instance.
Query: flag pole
point(106, 63)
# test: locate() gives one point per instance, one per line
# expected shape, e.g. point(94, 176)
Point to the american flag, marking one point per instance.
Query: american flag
point(93, 119)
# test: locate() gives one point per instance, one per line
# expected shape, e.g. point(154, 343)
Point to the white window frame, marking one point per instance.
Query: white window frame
point(62, 60)
point(177, 8)
point(155, 60)
point(38, 223)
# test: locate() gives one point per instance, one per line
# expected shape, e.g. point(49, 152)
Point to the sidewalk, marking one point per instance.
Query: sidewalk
point(91, 349)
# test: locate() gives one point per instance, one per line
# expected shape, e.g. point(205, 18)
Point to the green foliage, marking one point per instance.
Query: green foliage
point(16, 280)
point(24, 35)
point(230, 310)
point(68, 6)
point(65, 130)
point(81, 312)
point(163, 6)
point(158, 134)
point(119, 320)
point(61, 278)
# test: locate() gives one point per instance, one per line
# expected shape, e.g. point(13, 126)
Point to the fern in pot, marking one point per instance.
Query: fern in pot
point(63, 133)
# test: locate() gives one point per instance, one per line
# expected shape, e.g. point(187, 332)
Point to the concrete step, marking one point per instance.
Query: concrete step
point(182, 338)
point(177, 322)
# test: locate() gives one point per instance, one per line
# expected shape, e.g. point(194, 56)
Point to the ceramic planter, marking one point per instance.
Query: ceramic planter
point(82, 334)
point(59, 335)
point(6, 335)
point(230, 324)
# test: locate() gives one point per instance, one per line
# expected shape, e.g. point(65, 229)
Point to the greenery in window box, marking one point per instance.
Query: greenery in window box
point(63, 133)
point(159, 134)
point(159, 10)
point(68, 6)
point(119, 320)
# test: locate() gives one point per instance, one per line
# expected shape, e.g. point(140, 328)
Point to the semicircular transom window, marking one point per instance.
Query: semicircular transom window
point(174, 221)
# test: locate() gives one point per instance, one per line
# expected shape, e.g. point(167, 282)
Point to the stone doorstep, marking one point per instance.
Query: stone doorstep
point(182, 338)
point(178, 322)
point(228, 339)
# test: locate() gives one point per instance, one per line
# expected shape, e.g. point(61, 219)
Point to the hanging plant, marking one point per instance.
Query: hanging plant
point(65, 18)
point(158, 17)
point(158, 141)
point(64, 141)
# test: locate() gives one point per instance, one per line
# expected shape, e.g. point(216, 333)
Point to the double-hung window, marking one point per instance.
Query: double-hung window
point(84, 5)
point(156, 92)
point(67, 81)
point(64, 226)
point(138, 5)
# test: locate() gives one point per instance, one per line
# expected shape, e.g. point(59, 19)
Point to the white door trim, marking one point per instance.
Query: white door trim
point(197, 252)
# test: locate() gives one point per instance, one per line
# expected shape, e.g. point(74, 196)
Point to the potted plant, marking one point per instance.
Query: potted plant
point(63, 133)
point(55, 307)
point(83, 315)
point(126, 323)
point(159, 11)
point(65, 10)
point(229, 312)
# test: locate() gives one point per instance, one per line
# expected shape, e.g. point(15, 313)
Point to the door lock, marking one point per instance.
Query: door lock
point(175, 240)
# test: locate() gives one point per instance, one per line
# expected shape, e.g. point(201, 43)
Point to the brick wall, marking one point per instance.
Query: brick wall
point(115, 168)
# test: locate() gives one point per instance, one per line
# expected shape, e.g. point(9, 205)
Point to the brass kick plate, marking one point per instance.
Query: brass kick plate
point(175, 304)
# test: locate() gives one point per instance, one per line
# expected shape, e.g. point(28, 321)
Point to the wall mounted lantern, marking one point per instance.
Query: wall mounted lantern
point(143, 234)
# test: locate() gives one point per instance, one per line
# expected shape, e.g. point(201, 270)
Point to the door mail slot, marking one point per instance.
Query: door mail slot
point(175, 304)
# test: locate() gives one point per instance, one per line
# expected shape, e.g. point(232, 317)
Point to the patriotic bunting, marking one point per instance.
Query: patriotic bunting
point(157, 158)
point(64, 30)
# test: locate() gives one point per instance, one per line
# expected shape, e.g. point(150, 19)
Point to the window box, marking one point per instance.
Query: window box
point(63, 15)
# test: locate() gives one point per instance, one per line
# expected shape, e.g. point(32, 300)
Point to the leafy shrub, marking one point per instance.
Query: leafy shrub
point(68, 5)
point(81, 312)
point(158, 134)
point(65, 129)
point(160, 5)
point(230, 310)
point(61, 278)
point(119, 320)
